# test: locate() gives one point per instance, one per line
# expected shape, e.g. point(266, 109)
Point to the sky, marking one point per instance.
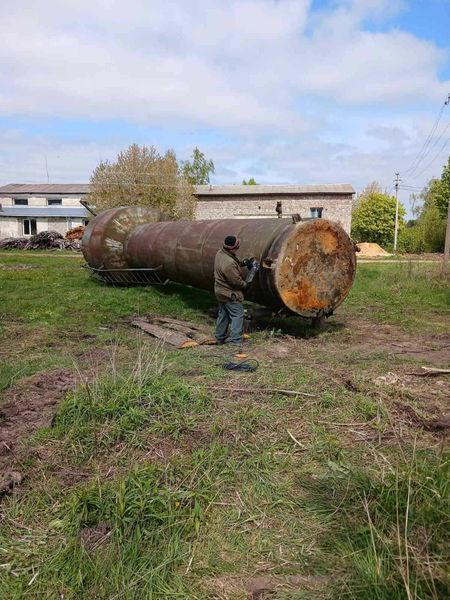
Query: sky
point(285, 91)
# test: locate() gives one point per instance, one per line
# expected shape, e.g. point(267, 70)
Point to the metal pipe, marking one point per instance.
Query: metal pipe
point(307, 267)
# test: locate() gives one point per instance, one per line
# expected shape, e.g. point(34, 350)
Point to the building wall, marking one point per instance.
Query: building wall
point(71, 201)
point(42, 201)
point(13, 226)
point(9, 227)
point(335, 208)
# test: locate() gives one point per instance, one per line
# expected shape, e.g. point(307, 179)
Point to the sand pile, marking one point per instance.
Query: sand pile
point(368, 250)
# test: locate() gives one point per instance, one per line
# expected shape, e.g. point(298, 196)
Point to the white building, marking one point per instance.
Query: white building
point(27, 209)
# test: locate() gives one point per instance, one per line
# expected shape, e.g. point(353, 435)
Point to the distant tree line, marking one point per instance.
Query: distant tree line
point(373, 217)
point(426, 233)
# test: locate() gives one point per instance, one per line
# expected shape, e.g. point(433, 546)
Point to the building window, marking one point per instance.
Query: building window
point(316, 213)
point(20, 202)
point(54, 202)
point(29, 227)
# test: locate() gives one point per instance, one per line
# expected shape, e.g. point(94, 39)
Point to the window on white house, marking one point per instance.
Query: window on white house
point(20, 201)
point(316, 213)
point(54, 202)
point(29, 227)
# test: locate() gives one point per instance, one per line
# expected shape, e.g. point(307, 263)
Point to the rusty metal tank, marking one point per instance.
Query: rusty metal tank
point(306, 267)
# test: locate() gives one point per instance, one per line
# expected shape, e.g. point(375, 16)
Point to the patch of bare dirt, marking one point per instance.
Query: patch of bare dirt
point(260, 587)
point(93, 537)
point(364, 338)
point(162, 450)
point(29, 405)
point(17, 267)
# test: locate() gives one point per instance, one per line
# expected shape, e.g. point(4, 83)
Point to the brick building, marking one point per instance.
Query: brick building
point(328, 201)
point(26, 209)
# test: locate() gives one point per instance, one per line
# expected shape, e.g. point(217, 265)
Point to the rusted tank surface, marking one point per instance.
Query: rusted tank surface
point(103, 238)
point(307, 267)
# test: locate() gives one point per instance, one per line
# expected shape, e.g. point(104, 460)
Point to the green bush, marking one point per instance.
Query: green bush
point(373, 219)
point(411, 240)
point(434, 229)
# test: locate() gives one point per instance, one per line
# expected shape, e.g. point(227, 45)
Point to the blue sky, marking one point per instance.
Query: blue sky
point(287, 91)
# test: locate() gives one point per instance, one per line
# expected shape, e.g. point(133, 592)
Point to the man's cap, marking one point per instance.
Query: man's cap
point(231, 242)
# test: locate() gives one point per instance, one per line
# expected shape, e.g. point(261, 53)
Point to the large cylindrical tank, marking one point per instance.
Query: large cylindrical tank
point(307, 267)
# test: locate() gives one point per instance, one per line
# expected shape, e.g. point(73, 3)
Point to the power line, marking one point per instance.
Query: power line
point(436, 156)
point(425, 148)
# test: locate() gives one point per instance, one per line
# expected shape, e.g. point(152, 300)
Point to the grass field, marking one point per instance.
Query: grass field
point(160, 475)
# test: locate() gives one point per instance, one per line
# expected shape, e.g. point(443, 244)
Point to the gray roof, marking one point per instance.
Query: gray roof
point(44, 189)
point(262, 189)
point(43, 211)
point(80, 189)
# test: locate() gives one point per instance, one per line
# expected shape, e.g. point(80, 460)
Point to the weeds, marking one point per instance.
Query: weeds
point(120, 403)
point(393, 538)
point(150, 519)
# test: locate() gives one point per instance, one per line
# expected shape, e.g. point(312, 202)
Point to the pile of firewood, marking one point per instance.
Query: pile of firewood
point(76, 233)
point(45, 240)
point(13, 243)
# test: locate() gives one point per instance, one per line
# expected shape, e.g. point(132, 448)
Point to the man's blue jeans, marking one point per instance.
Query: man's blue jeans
point(231, 314)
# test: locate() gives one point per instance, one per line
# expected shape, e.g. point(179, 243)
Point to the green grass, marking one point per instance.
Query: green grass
point(408, 294)
point(152, 483)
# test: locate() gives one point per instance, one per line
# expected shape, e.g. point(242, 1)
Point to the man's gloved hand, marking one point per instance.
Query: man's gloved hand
point(248, 262)
point(252, 270)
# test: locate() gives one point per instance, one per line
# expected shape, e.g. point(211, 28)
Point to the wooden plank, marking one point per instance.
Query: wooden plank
point(159, 319)
point(174, 338)
point(190, 330)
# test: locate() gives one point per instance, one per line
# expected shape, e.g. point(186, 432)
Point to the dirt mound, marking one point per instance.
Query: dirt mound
point(366, 249)
point(27, 406)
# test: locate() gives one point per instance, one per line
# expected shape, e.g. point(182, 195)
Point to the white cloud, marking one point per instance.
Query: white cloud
point(224, 64)
point(302, 95)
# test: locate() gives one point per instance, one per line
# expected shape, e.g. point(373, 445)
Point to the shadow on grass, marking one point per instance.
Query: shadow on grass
point(296, 326)
point(190, 297)
point(206, 303)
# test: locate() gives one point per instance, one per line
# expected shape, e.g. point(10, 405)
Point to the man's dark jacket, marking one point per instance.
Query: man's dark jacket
point(228, 281)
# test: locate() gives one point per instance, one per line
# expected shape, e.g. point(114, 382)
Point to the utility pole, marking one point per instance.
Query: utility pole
point(397, 182)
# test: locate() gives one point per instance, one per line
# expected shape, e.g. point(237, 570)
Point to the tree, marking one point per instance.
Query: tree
point(141, 176)
point(198, 169)
point(251, 181)
point(373, 219)
point(438, 193)
point(428, 232)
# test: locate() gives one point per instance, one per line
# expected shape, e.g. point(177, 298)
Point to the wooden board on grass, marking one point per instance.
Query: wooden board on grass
point(179, 340)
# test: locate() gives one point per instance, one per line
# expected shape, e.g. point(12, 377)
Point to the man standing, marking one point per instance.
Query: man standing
point(228, 287)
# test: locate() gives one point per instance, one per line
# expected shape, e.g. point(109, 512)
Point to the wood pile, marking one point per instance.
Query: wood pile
point(13, 243)
point(180, 334)
point(76, 233)
point(45, 240)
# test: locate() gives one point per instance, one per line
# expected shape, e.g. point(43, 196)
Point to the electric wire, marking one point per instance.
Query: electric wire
point(436, 156)
point(425, 147)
